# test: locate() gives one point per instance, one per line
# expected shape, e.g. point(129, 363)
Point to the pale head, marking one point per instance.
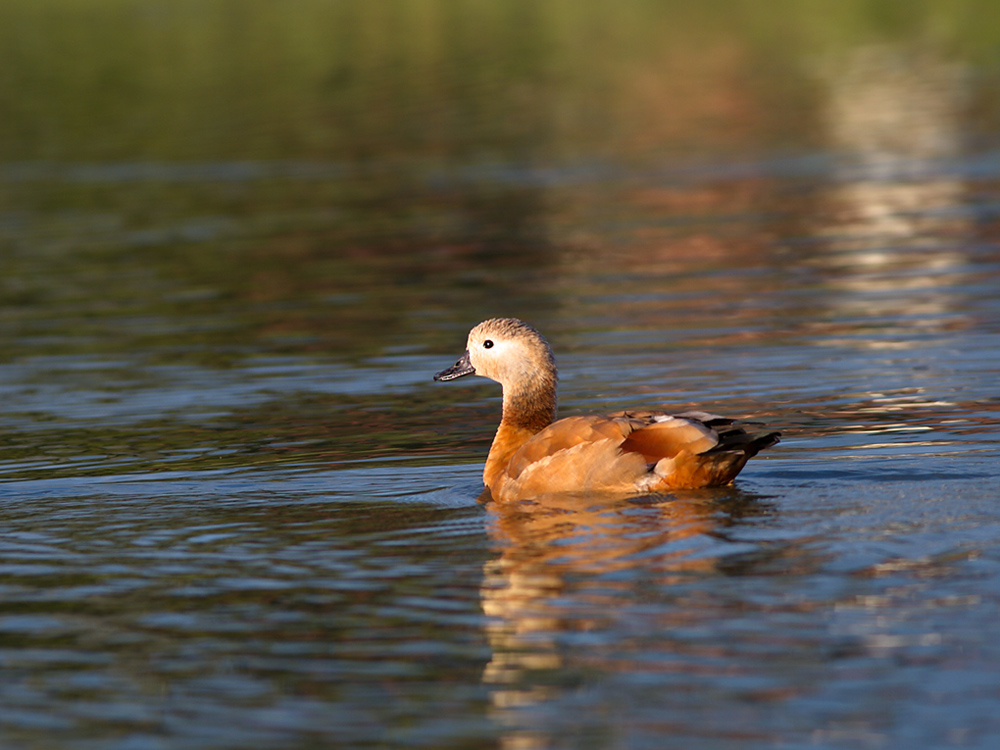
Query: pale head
point(508, 351)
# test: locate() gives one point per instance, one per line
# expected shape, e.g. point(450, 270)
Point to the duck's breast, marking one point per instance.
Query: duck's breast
point(574, 454)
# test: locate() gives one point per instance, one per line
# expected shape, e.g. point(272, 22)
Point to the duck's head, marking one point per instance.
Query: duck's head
point(506, 350)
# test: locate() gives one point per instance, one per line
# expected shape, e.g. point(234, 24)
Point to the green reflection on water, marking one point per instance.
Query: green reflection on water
point(97, 80)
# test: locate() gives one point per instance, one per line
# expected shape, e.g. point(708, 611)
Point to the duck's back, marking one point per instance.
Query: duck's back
point(629, 452)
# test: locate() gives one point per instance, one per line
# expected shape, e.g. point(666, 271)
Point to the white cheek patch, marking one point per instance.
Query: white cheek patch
point(490, 363)
point(502, 359)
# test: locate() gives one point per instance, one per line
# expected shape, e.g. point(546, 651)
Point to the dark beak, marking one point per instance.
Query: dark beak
point(457, 370)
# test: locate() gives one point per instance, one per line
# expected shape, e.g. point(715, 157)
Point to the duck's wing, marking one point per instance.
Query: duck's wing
point(657, 435)
point(654, 435)
point(695, 449)
point(632, 451)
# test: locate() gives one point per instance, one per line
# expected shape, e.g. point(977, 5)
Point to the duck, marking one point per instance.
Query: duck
point(625, 452)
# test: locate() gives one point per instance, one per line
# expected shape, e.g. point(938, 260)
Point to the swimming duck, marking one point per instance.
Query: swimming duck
point(624, 452)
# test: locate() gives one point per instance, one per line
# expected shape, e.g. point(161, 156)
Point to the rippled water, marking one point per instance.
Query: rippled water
point(237, 511)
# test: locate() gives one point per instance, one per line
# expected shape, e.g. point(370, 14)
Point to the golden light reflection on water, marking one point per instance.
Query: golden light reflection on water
point(894, 219)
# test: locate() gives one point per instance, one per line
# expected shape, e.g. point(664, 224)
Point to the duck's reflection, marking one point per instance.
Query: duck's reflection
point(568, 564)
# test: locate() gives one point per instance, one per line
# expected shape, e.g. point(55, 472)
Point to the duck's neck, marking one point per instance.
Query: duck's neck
point(526, 412)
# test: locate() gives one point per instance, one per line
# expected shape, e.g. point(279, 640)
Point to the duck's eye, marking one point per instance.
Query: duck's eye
point(487, 344)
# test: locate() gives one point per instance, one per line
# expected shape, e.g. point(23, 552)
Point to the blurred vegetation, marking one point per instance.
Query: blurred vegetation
point(99, 80)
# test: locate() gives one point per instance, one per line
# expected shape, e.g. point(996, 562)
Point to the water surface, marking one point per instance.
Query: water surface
point(238, 512)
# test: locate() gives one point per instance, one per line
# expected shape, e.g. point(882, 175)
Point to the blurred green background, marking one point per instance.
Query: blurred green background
point(444, 80)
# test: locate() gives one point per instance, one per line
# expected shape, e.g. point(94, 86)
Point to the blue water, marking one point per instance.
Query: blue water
point(286, 549)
